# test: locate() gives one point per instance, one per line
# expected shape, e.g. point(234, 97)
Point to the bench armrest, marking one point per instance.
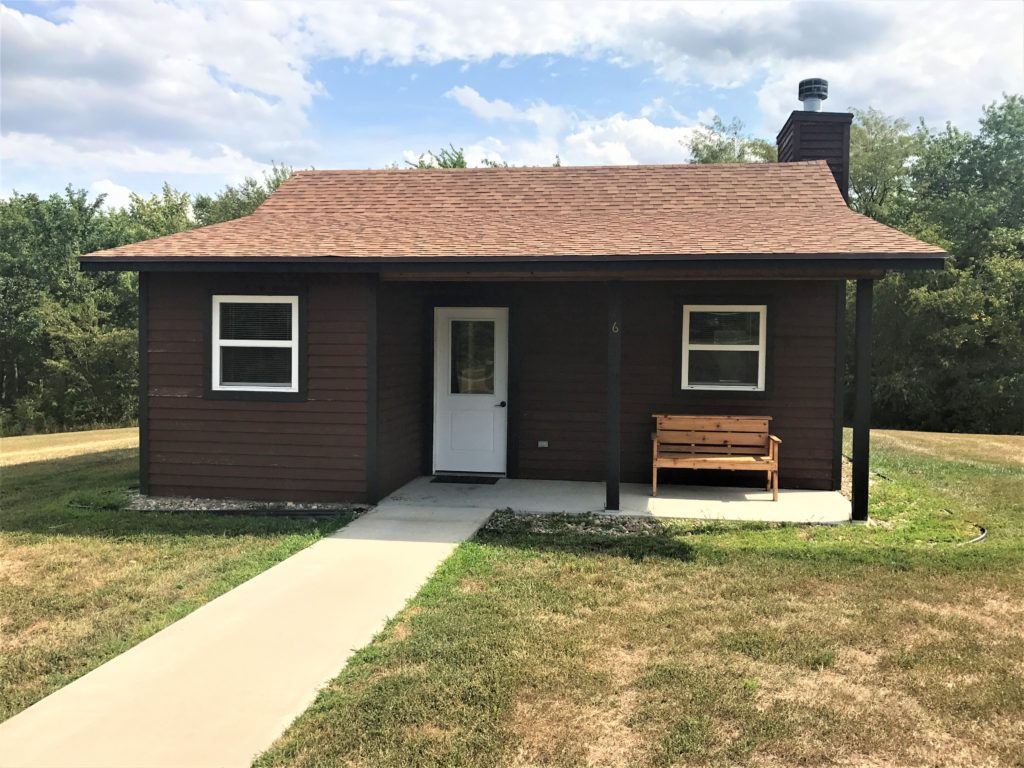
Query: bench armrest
point(774, 439)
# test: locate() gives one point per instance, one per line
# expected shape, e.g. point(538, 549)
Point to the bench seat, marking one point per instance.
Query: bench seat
point(733, 443)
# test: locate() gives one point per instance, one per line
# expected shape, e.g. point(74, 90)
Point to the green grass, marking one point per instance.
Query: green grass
point(83, 579)
point(568, 641)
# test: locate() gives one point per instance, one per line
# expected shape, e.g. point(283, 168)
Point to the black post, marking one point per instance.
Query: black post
point(862, 400)
point(144, 383)
point(840, 387)
point(372, 400)
point(614, 468)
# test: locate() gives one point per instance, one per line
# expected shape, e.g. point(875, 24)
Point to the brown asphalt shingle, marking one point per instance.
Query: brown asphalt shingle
point(617, 211)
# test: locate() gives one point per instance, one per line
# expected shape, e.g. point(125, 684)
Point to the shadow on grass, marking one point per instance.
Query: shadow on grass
point(87, 495)
point(633, 538)
point(767, 545)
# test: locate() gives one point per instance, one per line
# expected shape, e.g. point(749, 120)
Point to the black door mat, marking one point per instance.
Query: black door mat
point(466, 479)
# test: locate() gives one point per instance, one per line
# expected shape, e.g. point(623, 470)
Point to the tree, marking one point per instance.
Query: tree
point(235, 202)
point(68, 337)
point(882, 151)
point(953, 357)
point(452, 157)
point(719, 142)
point(446, 157)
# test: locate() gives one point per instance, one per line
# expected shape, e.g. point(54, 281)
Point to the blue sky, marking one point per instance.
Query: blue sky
point(120, 96)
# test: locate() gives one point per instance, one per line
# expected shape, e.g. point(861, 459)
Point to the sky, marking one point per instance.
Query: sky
point(116, 97)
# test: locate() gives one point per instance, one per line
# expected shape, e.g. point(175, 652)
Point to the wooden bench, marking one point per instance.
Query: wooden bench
point(735, 443)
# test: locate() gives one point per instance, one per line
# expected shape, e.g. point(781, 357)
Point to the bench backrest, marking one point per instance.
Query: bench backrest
point(728, 435)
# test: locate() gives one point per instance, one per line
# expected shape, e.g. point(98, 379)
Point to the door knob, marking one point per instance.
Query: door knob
point(502, 404)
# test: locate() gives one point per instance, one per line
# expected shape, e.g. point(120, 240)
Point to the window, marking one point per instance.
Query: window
point(255, 344)
point(724, 347)
point(472, 357)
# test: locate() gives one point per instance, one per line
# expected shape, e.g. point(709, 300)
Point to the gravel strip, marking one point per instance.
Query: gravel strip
point(140, 503)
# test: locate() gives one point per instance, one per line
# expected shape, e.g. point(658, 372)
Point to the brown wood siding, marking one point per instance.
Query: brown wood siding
point(403, 357)
point(562, 376)
point(561, 380)
point(313, 450)
point(558, 382)
point(799, 377)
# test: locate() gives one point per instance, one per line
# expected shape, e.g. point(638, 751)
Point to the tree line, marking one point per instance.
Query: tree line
point(949, 345)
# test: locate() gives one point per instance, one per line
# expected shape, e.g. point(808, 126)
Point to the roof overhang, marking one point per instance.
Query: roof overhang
point(826, 264)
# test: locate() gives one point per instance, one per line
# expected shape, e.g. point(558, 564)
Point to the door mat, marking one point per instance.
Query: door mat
point(466, 479)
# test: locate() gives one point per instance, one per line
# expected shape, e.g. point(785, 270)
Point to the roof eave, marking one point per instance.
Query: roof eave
point(888, 260)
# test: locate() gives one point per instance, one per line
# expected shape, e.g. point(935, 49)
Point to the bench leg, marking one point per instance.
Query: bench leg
point(768, 482)
point(775, 485)
point(654, 480)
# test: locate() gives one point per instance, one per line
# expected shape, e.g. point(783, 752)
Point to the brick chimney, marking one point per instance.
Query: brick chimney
point(811, 134)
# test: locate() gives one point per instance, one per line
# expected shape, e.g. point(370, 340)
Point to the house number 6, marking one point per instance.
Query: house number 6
point(615, 327)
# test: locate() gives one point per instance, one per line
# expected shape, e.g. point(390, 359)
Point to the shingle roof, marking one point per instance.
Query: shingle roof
point(651, 211)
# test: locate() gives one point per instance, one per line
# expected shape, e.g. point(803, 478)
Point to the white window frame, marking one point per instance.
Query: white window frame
point(760, 347)
point(218, 343)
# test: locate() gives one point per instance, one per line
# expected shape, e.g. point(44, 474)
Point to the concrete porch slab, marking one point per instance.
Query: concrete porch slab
point(673, 501)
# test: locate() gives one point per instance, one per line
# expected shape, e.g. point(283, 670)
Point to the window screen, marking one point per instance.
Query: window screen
point(255, 343)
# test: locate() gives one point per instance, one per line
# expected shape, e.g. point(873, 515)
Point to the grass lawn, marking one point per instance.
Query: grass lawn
point(82, 579)
point(590, 641)
point(61, 445)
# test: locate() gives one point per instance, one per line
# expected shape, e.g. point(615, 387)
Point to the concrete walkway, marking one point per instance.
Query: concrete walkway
point(216, 688)
point(673, 501)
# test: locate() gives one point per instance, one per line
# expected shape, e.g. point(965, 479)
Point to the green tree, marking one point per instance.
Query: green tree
point(882, 151)
point(455, 157)
point(446, 157)
point(953, 351)
point(235, 202)
point(68, 337)
point(720, 142)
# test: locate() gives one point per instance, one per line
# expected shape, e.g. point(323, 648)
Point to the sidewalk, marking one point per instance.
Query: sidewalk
point(216, 688)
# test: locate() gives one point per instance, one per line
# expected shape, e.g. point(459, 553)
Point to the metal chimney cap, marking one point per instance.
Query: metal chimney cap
point(812, 92)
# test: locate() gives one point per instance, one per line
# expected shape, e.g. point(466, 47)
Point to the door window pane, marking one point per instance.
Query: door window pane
point(725, 327)
point(472, 357)
point(720, 368)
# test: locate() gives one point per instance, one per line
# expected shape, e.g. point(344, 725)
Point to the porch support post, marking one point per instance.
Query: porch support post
point(144, 383)
point(614, 385)
point(862, 400)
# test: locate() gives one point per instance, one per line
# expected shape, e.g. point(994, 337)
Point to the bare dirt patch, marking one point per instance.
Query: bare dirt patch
point(557, 730)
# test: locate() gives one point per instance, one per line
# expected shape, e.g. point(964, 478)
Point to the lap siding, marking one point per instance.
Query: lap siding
point(403, 352)
point(313, 450)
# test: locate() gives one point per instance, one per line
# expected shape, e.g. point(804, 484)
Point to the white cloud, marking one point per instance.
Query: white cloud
point(578, 138)
point(619, 139)
point(117, 196)
point(227, 85)
point(25, 149)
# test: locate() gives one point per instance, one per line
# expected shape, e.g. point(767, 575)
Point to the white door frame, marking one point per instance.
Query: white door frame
point(482, 411)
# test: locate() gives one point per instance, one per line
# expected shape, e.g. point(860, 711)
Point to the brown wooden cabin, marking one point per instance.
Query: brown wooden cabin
point(362, 328)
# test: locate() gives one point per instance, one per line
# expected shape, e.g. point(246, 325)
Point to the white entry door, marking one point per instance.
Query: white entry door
point(470, 389)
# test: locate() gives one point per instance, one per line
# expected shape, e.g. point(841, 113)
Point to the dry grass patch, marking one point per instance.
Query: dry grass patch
point(29, 448)
point(566, 641)
point(83, 579)
point(996, 449)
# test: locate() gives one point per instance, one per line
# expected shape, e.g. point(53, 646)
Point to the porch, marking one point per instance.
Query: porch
point(574, 370)
point(423, 495)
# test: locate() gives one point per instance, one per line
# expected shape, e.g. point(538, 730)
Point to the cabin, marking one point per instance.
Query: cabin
point(365, 328)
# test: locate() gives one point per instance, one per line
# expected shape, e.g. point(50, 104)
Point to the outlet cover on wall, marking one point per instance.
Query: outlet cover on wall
point(542, 443)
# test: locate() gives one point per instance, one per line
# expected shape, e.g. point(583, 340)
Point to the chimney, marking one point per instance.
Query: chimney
point(811, 134)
